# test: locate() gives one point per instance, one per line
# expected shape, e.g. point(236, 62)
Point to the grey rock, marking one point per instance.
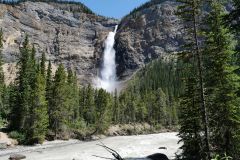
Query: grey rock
point(158, 156)
point(3, 146)
point(17, 157)
point(147, 34)
point(74, 39)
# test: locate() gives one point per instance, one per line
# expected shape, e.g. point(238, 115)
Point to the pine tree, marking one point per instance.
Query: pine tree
point(49, 87)
point(21, 108)
point(232, 20)
point(89, 106)
point(102, 110)
point(162, 107)
point(190, 123)
point(81, 102)
point(2, 83)
point(223, 101)
point(190, 12)
point(39, 116)
point(32, 71)
point(42, 65)
point(58, 108)
point(1, 64)
point(72, 97)
point(115, 108)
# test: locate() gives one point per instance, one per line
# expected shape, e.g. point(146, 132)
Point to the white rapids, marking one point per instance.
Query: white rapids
point(136, 147)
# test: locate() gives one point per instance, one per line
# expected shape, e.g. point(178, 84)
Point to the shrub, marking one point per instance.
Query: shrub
point(3, 122)
point(225, 157)
point(20, 137)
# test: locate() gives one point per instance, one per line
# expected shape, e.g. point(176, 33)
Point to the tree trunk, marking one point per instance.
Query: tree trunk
point(200, 76)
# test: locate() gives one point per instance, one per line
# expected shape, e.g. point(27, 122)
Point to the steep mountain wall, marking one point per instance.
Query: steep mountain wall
point(64, 32)
point(147, 33)
point(73, 35)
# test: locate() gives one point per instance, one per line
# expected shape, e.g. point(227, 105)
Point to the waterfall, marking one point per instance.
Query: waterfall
point(107, 78)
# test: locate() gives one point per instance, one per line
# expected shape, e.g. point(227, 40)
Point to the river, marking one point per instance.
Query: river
point(127, 146)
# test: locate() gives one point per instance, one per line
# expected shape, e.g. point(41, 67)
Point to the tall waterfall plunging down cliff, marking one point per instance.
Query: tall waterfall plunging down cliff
point(107, 79)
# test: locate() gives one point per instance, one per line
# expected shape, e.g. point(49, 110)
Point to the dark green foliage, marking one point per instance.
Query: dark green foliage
point(2, 83)
point(58, 109)
point(24, 82)
point(88, 107)
point(42, 65)
point(102, 101)
point(190, 121)
point(39, 117)
point(152, 95)
point(13, 97)
point(191, 12)
point(115, 108)
point(72, 97)
point(221, 84)
point(232, 19)
point(49, 85)
point(27, 99)
point(20, 137)
point(1, 60)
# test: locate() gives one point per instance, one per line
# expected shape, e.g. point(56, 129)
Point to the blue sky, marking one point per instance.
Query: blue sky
point(112, 8)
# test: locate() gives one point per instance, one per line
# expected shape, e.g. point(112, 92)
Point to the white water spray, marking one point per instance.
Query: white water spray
point(107, 79)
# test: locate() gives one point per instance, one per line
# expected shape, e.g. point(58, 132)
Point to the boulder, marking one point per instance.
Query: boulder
point(158, 156)
point(17, 157)
point(5, 141)
point(3, 146)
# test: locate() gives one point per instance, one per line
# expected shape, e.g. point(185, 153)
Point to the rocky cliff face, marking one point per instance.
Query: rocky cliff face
point(73, 38)
point(70, 35)
point(146, 34)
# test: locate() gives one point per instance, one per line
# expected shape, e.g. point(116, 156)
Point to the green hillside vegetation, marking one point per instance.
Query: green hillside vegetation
point(152, 94)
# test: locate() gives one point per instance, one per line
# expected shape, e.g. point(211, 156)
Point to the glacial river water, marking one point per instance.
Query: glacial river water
point(127, 146)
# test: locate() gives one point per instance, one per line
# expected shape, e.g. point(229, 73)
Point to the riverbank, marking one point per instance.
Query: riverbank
point(7, 141)
point(128, 146)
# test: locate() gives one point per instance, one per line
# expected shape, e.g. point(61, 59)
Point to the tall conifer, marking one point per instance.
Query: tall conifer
point(221, 85)
point(39, 116)
point(58, 108)
point(2, 84)
point(21, 110)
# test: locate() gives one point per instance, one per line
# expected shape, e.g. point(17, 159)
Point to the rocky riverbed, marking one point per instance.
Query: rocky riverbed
point(127, 146)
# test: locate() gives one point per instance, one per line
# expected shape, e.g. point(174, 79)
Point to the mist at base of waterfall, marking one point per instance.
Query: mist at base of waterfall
point(107, 77)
